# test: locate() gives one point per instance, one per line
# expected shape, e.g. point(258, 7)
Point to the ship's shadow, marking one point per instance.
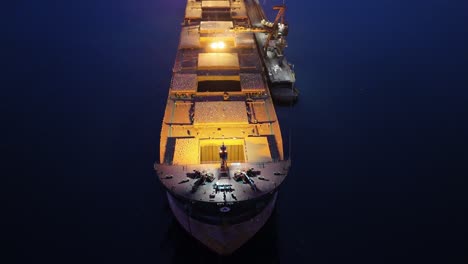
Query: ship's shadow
point(262, 248)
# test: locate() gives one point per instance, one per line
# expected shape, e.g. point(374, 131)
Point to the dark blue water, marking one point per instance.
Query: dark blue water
point(379, 136)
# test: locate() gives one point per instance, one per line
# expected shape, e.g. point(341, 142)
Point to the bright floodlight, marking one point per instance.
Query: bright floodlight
point(218, 45)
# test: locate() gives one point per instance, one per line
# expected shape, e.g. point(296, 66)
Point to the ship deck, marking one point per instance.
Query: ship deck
point(219, 96)
point(175, 179)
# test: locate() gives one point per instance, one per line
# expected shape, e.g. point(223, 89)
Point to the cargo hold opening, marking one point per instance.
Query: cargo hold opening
point(219, 86)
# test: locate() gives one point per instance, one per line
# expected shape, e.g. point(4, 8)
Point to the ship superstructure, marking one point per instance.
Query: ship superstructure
point(221, 149)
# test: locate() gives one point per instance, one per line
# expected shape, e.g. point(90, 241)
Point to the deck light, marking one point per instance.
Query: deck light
point(218, 45)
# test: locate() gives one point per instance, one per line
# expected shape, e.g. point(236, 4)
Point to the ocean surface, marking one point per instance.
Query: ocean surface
point(378, 137)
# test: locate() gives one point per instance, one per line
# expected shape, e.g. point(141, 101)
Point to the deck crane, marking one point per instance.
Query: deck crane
point(277, 29)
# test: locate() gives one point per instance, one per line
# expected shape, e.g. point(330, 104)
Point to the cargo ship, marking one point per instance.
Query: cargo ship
point(221, 149)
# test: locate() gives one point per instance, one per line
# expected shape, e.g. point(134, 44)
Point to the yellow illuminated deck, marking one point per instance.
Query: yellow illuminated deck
point(197, 121)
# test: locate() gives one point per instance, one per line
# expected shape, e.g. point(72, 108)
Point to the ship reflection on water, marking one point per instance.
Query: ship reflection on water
point(262, 248)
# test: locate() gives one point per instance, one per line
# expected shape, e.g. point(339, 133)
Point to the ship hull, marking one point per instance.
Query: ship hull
point(226, 238)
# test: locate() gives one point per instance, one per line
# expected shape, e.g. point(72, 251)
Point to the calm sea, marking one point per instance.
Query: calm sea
point(379, 135)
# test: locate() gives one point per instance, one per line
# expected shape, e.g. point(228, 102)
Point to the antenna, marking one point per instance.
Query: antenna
point(290, 133)
point(290, 144)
